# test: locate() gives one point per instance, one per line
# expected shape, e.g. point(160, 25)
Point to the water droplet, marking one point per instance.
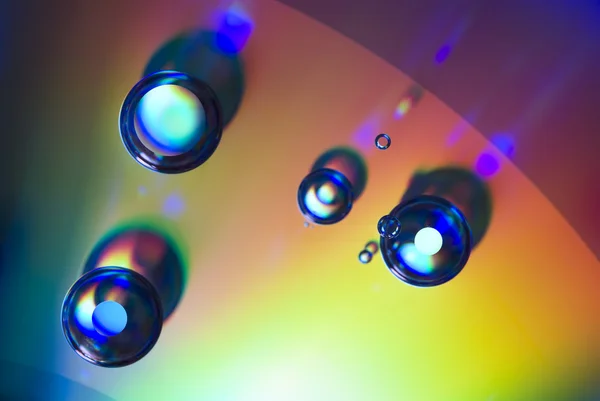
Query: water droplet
point(87, 316)
point(383, 141)
point(388, 226)
point(429, 223)
point(428, 241)
point(171, 122)
point(365, 256)
point(325, 196)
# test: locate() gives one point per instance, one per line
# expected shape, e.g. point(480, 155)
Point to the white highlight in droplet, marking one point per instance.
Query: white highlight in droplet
point(428, 241)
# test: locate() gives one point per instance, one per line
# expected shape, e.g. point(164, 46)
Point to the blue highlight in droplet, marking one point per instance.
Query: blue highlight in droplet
point(109, 318)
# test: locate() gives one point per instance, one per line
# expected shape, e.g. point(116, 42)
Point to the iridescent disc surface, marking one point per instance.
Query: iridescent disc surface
point(171, 122)
point(419, 218)
point(325, 196)
point(91, 331)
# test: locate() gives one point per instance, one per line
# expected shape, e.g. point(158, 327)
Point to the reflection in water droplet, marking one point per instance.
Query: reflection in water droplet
point(428, 241)
point(109, 318)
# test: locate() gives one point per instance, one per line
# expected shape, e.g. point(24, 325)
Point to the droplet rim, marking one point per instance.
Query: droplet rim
point(184, 162)
point(388, 141)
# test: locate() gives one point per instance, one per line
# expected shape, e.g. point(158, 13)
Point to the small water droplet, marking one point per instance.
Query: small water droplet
point(365, 256)
point(383, 141)
point(388, 227)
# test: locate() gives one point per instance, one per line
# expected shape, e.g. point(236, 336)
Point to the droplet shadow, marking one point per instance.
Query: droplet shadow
point(149, 247)
point(349, 163)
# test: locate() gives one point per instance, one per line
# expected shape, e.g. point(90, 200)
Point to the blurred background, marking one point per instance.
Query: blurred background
point(266, 308)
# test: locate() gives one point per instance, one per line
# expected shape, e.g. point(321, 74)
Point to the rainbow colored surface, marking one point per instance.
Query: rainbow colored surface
point(274, 311)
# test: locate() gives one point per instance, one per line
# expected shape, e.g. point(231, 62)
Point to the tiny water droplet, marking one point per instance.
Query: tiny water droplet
point(365, 256)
